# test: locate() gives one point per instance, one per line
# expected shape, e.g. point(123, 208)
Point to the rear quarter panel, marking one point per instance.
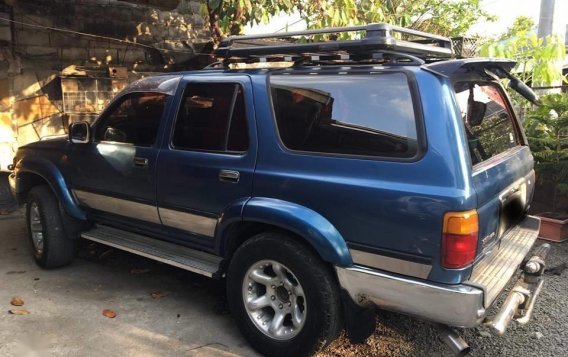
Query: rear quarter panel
point(395, 208)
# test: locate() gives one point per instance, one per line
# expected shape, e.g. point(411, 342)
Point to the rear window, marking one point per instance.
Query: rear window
point(365, 115)
point(488, 122)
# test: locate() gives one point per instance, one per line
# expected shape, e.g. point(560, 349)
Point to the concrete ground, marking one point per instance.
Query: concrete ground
point(186, 319)
point(187, 315)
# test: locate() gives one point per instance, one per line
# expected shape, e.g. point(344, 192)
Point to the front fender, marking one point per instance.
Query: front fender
point(52, 175)
point(306, 223)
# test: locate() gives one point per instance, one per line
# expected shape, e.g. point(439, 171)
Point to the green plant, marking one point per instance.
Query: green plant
point(522, 24)
point(537, 59)
point(448, 18)
point(547, 132)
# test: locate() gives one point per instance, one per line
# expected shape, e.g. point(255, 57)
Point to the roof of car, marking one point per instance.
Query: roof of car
point(167, 83)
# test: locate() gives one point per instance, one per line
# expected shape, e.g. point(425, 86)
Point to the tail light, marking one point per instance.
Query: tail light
point(459, 239)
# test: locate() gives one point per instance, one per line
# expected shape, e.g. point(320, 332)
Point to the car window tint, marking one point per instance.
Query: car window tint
point(370, 115)
point(488, 122)
point(134, 119)
point(212, 117)
point(238, 131)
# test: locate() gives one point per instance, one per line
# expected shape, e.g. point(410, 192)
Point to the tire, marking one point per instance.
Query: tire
point(7, 201)
point(274, 270)
point(51, 246)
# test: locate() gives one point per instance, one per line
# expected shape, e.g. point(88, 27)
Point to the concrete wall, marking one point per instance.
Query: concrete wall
point(140, 36)
point(181, 31)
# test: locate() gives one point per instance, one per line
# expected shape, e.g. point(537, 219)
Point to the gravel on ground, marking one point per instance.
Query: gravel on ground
point(545, 335)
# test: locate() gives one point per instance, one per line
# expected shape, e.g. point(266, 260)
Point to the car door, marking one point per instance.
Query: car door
point(113, 176)
point(210, 157)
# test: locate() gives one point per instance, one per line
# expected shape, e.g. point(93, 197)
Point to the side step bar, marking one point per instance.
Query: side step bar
point(168, 253)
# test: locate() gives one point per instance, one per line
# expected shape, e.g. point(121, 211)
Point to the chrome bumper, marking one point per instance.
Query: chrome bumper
point(463, 305)
point(495, 271)
point(453, 305)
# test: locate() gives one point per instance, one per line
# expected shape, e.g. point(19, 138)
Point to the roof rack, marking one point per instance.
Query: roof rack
point(378, 38)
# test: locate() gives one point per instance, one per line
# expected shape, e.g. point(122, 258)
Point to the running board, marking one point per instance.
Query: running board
point(168, 253)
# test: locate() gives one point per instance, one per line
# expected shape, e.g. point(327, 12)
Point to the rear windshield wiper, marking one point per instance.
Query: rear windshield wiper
point(516, 84)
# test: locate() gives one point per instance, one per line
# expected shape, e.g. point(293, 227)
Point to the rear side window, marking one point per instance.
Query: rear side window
point(488, 122)
point(366, 115)
point(212, 117)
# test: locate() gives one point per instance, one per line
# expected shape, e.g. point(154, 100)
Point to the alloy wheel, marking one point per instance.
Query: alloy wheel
point(274, 299)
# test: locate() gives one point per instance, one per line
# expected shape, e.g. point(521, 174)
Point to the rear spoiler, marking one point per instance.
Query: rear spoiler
point(495, 68)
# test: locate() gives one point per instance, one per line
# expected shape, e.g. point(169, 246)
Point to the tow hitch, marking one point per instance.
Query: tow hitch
point(520, 302)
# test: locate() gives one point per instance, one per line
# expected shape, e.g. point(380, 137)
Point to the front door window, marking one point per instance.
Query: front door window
point(134, 119)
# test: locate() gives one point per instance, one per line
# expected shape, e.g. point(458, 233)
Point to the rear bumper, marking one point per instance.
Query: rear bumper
point(453, 305)
point(462, 305)
point(495, 270)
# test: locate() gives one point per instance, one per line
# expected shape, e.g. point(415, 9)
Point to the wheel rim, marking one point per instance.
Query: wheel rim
point(274, 300)
point(36, 228)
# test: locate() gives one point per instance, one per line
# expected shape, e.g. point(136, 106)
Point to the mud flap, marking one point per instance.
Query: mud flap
point(360, 321)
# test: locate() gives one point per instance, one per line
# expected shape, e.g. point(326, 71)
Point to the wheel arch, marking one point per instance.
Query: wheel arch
point(299, 222)
point(36, 171)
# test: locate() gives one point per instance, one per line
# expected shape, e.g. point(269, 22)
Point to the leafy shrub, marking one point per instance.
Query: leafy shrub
point(547, 132)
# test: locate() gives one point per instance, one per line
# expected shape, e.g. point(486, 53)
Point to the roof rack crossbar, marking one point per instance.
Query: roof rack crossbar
point(377, 37)
point(376, 57)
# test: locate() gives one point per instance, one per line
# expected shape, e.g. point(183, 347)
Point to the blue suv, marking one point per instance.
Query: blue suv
point(371, 172)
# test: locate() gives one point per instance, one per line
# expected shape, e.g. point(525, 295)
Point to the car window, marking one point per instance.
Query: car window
point(367, 115)
point(488, 122)
point(212, 117)
point(134, 119)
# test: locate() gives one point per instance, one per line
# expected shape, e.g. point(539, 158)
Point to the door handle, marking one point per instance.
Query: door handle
point(140, 162)
point(231, 176)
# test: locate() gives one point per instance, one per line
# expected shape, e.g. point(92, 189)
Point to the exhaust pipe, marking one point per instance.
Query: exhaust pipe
point(454, 341)
point(523, 295)
point(507, 312)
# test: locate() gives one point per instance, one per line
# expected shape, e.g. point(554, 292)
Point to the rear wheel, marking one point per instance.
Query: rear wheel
point(284, 299)
point(51, 247)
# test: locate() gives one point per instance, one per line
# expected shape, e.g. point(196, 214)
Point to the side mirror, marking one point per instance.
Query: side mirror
point(79, 132)
point(475, 112)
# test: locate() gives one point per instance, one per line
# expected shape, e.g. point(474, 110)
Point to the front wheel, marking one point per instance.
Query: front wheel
point(284, 299)
point(51, 246)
